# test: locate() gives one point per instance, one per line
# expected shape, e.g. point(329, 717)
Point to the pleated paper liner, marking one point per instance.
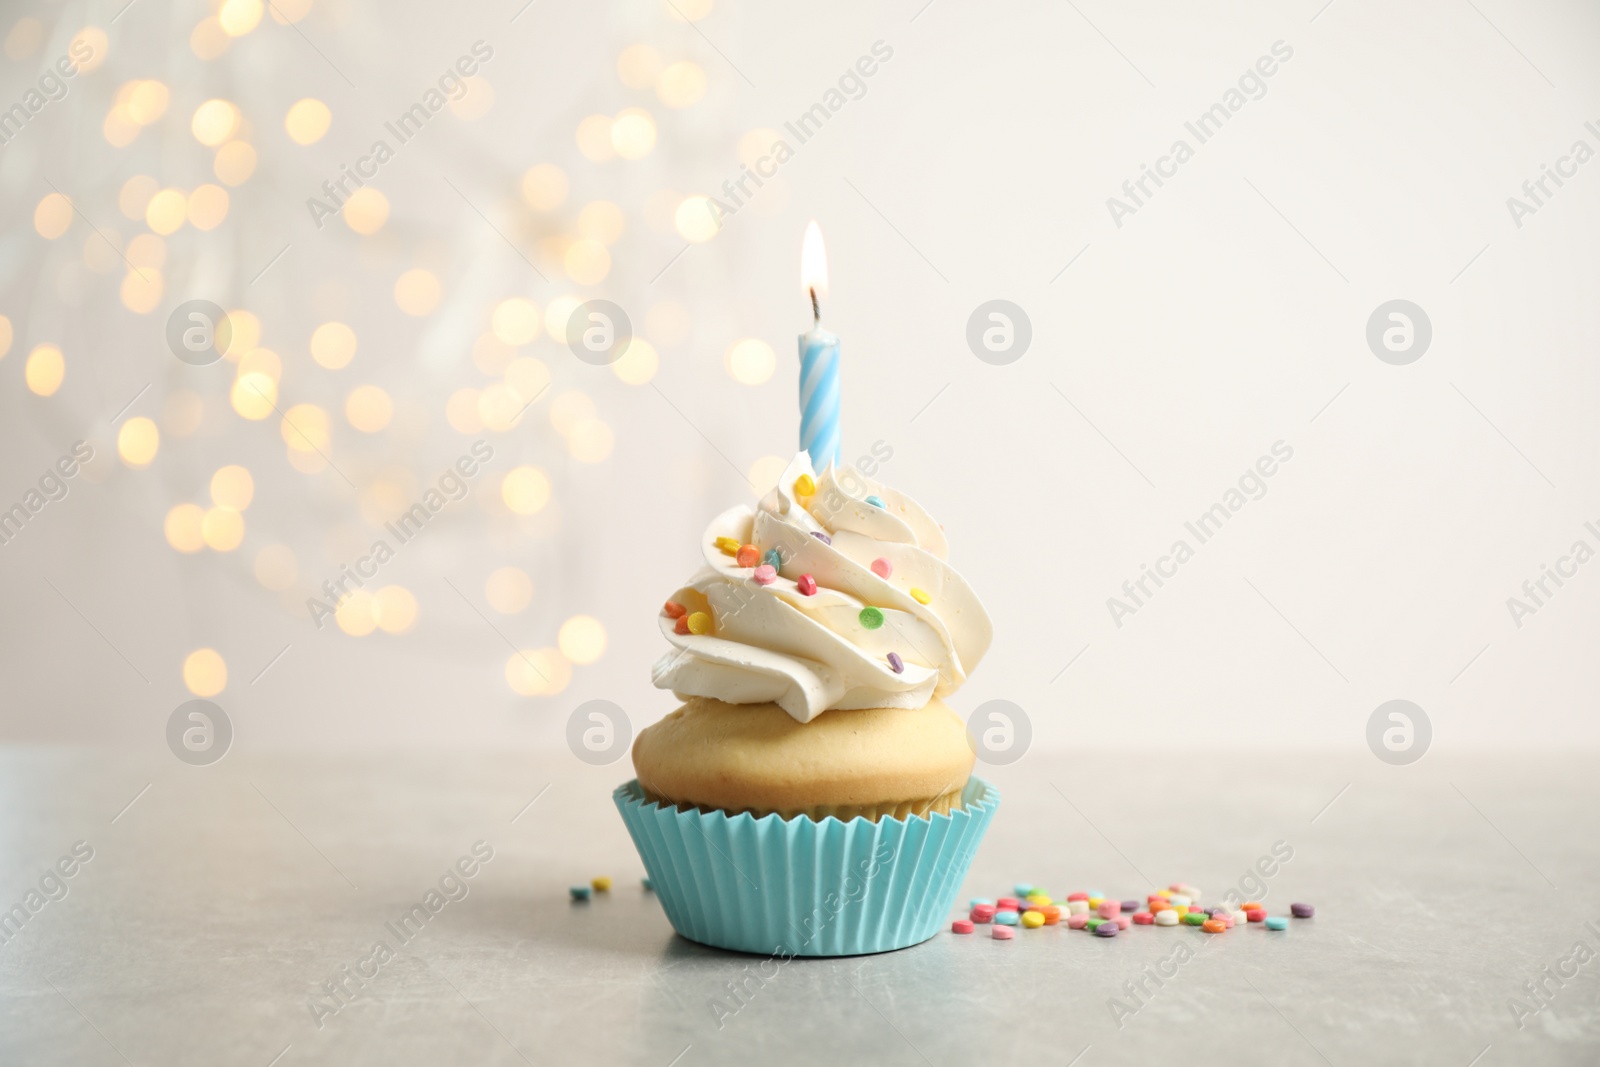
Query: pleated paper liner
point(804, 887)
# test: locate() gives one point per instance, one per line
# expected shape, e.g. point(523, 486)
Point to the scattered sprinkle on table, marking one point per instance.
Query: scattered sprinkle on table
point(601, 883)
point(1179, 905)
point(579, 892)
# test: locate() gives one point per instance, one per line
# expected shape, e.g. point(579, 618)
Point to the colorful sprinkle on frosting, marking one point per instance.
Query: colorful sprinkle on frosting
point(871, 618)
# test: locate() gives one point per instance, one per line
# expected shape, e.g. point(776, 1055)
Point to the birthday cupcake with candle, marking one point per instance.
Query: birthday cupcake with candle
point(813, 795)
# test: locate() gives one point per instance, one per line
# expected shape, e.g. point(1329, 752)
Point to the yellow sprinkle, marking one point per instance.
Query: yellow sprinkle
point(1033, 919)
point(601, 884)
point(920, 595)
point(805, 485)
point(1095, 902)
point(1163, 893)
point(699, 623)
point(1040, 899)
point(1182, 910)
point(729, 545)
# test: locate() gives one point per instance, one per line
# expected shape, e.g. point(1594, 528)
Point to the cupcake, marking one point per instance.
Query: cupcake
point(813, 795)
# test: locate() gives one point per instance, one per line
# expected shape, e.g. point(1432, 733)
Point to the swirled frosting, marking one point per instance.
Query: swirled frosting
point(766, 640)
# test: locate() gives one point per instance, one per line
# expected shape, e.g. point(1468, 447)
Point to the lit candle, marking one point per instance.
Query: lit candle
point(819, 361)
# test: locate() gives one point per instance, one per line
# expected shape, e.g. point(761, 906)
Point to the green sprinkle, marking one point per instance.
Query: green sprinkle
point(871, 618)
point(1093, 923)
point(1196, 918)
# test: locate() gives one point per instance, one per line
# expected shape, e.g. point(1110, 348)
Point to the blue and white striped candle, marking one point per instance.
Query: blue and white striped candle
point(819, 361)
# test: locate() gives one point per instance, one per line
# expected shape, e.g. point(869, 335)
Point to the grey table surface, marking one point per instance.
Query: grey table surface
point(220, 900)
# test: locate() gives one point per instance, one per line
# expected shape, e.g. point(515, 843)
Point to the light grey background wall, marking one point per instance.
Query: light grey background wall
point(1171, 346)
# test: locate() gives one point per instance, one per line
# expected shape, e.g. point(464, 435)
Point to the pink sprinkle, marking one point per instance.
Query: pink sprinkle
point(1109, 909)
point(1122, 921)
point(807, 585)
point(961, 926)
point(1003, 933)
point(882, 568)
point(1078, 922)
point(766, 574)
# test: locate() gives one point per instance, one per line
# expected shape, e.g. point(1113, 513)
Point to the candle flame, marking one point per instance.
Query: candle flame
point(813, 262)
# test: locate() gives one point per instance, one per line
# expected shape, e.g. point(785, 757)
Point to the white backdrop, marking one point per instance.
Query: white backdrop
point(1168, 353)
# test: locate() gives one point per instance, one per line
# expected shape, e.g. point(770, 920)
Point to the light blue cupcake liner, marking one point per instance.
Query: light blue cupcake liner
point(804, 887)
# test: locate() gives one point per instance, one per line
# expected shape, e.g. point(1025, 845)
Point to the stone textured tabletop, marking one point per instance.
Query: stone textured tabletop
point(219, 902)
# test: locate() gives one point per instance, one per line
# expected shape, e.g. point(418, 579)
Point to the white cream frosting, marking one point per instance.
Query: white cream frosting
point(810, 654)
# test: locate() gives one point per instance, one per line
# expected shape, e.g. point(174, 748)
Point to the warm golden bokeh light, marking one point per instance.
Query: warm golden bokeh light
point(232, 487)
point(544, 186)
point(690, 10)
point(205, 672)
point(582, 639)
point(515, 321)
point(357, 614)
point(222, 528)
point(246, 334)
point(395, 609)
point(307, 121)
point(681, 84)
point(416, 292)
point(146, 101)
point(24, 38)
point(135, 195)
point(368, 408)
point(147, 250)
point(257, 360)
point(594, 138)
point(591, 441)
point(305, 428)
point(366, 211)
point(239, 17)
point(508, 590)
point(141, 290)
point(182, 413)
point(276, 568)
point(253, 395)
point(633, 134)
point(208, 40)
point(44, 370)
point(477, 102)
point(534, 672)
point(492, 355)
point(765, 472)
point(207, 206)
point(182, 528)
point(52, 217)
point(5, 336)
point(234, 164)
point(333, 345)
point(639, 66)
point(94, 39)
point(603, 221)
point(638, 362)
point(138, 440)
point(587, 262)
point(556, 314)
point(694, 219)
point(166, 210)
point(525, 490)
point(750, 361)
point(214, 122)
point(461, 411)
